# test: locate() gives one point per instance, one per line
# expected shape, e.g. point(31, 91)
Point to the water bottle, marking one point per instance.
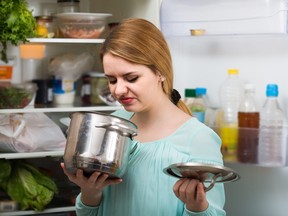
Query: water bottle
point(248, 127)
point(272, 149)
point(190, 95)
point(230, 94)
point(199, 104)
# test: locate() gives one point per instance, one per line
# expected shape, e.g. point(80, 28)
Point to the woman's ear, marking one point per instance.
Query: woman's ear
point(161, 77)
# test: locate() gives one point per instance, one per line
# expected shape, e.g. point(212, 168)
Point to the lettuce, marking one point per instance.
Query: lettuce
point(5, 173)
point(29, 187)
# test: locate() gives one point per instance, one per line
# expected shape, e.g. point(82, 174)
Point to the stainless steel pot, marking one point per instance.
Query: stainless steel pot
point(98, 142)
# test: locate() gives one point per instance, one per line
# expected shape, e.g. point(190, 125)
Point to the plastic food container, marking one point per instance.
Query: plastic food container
point(64, 90)
point(81, 25)
point(15, 96)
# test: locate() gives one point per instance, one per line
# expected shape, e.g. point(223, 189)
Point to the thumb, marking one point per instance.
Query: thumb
point(201, 194)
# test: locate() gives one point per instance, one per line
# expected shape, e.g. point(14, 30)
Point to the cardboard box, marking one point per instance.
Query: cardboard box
point(6, 70)
point(216, 17)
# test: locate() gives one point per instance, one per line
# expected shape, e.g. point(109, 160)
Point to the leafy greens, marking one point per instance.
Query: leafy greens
point(27, 185)
point(17, 24)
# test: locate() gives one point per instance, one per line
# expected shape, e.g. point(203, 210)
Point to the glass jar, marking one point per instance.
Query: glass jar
point(45, 27)
point(68, 6)
point(99, 88)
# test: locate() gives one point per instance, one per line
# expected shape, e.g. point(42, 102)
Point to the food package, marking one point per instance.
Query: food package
point(71, 65)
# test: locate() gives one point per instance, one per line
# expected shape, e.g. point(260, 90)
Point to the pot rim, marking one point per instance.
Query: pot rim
point(133, 128)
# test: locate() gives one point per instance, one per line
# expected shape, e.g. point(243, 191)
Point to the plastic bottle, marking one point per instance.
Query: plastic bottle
point(190, 95)
point(230, 94)
point(248, 127)
point(272, 149)
point(199, 104)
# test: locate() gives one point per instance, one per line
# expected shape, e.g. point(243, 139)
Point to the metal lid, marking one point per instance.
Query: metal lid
point(96, 74)
point(44, 18)
point(203, 172)
point(62, 1)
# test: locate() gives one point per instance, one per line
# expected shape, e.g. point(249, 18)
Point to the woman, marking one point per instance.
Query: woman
point(138, 65)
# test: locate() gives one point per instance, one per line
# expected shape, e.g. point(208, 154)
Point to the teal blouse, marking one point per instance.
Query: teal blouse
point(146, 190)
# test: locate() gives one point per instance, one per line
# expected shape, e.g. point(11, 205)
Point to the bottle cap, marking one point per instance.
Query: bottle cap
point(249, 87)
point(190, 93)
point(200, 91)
point(233, 71)
point(272, 90)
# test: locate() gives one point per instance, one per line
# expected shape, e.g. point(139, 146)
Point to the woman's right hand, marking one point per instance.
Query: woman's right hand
point(91, 187)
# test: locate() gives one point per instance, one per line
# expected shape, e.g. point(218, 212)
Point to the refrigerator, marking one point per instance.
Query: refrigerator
point(128, 8)
point(250, 36)
point(23, 68)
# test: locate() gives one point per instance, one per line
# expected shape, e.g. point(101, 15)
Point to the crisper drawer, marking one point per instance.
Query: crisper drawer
point(223, 16)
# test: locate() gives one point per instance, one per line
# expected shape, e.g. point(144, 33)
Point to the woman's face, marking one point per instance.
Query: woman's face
point(135, 86)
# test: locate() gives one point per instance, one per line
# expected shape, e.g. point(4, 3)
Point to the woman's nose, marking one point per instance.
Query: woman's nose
point(120, 88)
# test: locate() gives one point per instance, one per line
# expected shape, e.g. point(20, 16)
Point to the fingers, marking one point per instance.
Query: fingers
point(97, 179)
point(185, 189)
point(200, 202)
point(192, 193)
point(201, 194)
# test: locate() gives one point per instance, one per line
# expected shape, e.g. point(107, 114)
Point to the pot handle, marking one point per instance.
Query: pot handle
point(116, 127)
point(213, 181)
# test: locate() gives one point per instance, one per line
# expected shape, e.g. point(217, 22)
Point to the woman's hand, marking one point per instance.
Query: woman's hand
point(192, 193)
point(91, 187)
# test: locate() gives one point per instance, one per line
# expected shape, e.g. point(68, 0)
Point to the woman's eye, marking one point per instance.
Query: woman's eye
point(112, 80)
point(132, 79)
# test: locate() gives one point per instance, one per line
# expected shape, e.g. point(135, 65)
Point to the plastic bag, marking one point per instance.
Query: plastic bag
point(30, 132)
point(71, 65)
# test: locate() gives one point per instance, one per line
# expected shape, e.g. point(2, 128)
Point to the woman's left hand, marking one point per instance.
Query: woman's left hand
point(192, 193)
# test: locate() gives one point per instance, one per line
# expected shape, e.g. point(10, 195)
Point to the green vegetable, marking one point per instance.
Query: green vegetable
point(13, 97)
point(5, 168)
point(17, 24)
point(29, 187)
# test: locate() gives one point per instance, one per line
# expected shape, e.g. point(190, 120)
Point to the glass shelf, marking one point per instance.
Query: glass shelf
point(46, 211)
point(211, 36)
point(61, 108)
point(27, 155)
point(65, 40)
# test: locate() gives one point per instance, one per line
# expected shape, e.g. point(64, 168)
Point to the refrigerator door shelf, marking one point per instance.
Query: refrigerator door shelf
point(216, 17)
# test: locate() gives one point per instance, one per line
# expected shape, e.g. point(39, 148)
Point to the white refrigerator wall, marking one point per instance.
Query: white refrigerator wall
point(202, 61)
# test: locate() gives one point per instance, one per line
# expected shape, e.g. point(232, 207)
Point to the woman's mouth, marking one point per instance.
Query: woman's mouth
point(126, 100)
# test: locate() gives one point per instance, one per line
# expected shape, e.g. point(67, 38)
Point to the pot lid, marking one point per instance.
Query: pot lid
point(202, 171)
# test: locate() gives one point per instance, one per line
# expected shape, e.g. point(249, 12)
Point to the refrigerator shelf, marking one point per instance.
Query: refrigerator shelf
point(27, 155)
point(225, 36)
point(30, 212)
point(65, 40)
point(62, 108)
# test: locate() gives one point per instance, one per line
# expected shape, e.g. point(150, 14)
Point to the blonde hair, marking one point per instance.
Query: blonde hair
point(140, 42)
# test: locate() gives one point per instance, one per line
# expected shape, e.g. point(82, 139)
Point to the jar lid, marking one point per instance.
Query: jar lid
point(96, 74)
point(62, 1)
point(44, 18)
